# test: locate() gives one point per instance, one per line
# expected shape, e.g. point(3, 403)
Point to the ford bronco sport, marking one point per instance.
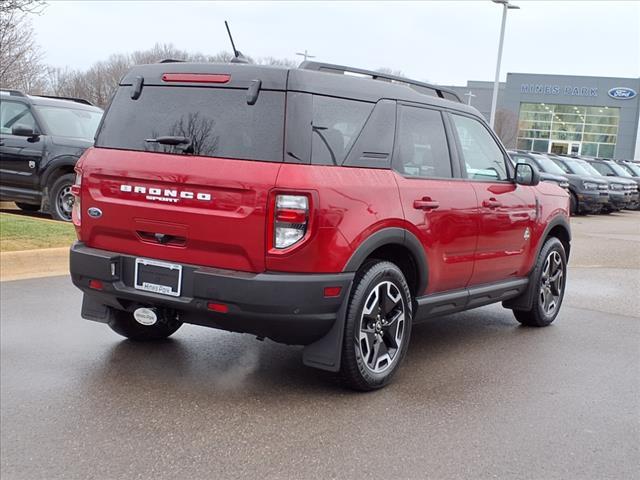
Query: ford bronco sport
point(308, 206)
point(41, 139)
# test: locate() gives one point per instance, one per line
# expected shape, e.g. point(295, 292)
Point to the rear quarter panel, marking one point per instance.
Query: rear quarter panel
point(349, 204)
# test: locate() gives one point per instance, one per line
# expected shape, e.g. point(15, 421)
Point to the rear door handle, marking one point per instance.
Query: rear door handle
point(425, 203)
point(491, 203)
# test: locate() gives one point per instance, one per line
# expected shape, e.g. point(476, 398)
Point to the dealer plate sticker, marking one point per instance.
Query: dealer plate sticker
point(158, 277)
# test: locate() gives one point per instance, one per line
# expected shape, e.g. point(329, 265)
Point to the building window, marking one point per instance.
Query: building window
point(557, 128)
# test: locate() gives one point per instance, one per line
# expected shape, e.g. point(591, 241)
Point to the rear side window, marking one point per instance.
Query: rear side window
point(217, 121)
point(336, 125)
point(421, 146)
point(482, 156)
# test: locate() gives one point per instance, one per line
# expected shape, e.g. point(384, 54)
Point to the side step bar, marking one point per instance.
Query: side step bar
point(458, 300)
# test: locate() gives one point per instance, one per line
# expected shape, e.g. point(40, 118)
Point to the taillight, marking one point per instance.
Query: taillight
point(291, 218)
point(76, 190)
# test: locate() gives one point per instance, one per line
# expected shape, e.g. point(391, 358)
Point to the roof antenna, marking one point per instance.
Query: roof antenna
point(237, 54)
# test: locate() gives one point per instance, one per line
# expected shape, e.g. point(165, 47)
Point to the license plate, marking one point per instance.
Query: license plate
point(158, 277)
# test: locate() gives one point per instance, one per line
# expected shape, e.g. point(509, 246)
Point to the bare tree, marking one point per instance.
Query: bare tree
point(506, 127)
point(20, 55)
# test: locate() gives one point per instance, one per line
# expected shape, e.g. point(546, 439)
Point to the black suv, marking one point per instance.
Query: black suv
point(41, 138)
point(549, 171)
point(615, 172)
point(589, 192)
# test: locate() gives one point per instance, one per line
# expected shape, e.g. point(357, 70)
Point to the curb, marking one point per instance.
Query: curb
point(45, 262)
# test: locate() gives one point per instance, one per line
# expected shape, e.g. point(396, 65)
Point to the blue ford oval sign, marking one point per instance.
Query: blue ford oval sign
point(622, 93)
point(94, 212)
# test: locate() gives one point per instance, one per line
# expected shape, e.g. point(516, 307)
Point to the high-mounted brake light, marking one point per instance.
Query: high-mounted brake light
point(196, 77)
point(291, 218)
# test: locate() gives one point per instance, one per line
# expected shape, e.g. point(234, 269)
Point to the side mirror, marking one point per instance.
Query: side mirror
point(527, 175)
point(23, 131)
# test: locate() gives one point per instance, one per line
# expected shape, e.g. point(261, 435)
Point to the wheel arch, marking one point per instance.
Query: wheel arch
point(399, 246)
point(56, 168)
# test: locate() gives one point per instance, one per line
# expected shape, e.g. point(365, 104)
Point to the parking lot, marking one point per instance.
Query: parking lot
point(478, 397)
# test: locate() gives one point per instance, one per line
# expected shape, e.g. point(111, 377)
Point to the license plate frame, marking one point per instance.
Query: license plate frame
point(166, 269)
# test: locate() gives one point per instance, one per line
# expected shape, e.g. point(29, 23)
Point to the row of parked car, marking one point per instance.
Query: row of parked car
point(595, 185)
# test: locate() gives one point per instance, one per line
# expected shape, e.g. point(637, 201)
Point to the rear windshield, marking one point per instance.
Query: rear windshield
point(218, 122)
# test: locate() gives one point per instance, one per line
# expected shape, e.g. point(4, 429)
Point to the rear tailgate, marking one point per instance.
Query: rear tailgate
point(196, 210)
point(202, 203)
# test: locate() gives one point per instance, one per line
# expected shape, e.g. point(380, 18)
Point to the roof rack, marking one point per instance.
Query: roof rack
point(171, 60)
point(341, 69)
point(13, 93)
point(71, 99)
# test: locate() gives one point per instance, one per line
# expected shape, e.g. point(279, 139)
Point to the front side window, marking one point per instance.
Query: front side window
point(483, 158)
point(70, 122)
point(13, 114)
point(602, 168)
point(336, 125)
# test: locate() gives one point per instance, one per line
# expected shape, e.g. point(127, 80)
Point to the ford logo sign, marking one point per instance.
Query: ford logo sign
point(94, 212)
point(622, 93)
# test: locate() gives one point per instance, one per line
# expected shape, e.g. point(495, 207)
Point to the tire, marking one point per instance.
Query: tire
point(60, 197)
point(573, 204)
point(123, 323)
point(27, 207)
point(547, 293)
point(377, 327)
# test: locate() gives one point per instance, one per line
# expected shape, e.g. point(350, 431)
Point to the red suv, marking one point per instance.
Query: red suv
point(311, 206)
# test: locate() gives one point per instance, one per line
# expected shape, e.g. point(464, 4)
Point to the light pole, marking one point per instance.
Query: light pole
point(469, 94)
point(494, 100)
point(306, 55)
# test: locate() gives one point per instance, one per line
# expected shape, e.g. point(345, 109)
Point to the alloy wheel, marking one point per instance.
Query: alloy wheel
point(551, 283)
point(382, 327)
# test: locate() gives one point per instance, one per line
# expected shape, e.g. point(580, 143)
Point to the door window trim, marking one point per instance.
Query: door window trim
point(458, 146)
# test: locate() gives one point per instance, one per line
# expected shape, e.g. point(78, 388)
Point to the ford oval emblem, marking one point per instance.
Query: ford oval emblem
point(622, 93)
point(94, 212)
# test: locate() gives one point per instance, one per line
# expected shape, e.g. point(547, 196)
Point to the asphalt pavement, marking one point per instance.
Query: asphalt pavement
point(477, 397)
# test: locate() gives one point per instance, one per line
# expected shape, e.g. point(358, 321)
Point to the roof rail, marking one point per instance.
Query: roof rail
point(13, 93)
point(171, 60)
point(341, 69)
point(71, 99)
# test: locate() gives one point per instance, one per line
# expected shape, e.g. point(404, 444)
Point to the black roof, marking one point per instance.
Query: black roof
point(304, 80)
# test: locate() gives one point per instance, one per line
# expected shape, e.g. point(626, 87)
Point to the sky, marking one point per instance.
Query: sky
point(446, 42)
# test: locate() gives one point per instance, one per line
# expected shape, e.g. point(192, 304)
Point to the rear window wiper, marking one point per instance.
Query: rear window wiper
point(169, 140)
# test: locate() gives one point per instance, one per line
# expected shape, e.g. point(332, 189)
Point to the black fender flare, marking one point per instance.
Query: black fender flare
point(56, 164)
point(525, 300)
point(392, 236)
point(326, 353)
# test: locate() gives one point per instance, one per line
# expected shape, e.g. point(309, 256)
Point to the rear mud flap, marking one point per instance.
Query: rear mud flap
point(93, 309)
point(326, 353)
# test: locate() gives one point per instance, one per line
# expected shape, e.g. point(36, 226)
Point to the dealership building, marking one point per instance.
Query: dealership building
point(592, 116)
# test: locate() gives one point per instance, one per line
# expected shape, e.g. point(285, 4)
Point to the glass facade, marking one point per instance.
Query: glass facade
point(591, 131)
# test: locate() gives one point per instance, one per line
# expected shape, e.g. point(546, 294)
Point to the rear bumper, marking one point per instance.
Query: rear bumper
point(288, 308)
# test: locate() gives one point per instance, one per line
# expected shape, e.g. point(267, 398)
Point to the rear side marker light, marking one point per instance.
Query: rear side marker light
point(96, 284)
point(291, 218)
point(196, 77)
point(332, 291)
point(218, 307)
